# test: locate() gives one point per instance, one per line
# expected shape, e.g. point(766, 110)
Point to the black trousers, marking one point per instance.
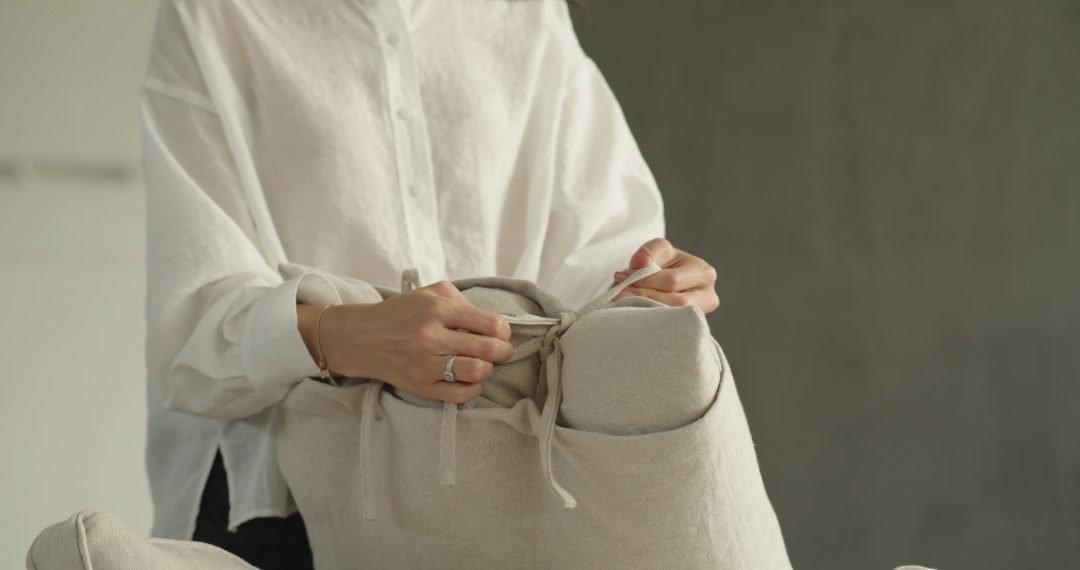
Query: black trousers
point(269, 543)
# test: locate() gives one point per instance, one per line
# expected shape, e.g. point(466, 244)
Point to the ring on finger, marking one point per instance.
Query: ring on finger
point(448, 371)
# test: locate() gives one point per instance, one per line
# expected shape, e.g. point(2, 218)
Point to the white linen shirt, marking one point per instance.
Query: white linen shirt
point(359, 137)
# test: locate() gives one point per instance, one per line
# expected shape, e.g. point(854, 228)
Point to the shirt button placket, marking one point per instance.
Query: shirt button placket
point(421, 219)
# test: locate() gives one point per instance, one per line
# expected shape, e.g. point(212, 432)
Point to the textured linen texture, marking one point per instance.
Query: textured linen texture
point(459, 137)
point(97, 540)
point(648, 464)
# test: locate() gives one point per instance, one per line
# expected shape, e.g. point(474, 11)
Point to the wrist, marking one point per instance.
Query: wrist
point(336, 330)
point(305, 324)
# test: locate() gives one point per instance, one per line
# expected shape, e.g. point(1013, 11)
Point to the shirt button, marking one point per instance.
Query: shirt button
point(403, 114)
point(392, 39)
point(416, 190)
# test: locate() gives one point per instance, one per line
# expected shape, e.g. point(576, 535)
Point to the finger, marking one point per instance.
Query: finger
point(480, 321)
point(676, 279)
point(467, 369)
point(478, 346)
point(704, 298)
point(456, 392)
point(680, 259)
point(692, 274)
point(670, 299)
point(658, 249)
point(444, 289)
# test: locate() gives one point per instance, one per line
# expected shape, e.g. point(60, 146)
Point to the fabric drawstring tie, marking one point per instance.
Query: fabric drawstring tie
point(524, 416)
point(551, 371)
point(371, 411)
point(448, 444)
point(368, 410)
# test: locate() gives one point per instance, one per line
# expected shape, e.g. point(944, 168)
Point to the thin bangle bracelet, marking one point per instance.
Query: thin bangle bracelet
point(324, 371)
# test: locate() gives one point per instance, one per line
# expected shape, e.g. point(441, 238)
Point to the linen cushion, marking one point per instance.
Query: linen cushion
point(96, 540)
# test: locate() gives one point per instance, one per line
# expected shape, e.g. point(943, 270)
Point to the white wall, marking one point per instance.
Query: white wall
point(72, 411)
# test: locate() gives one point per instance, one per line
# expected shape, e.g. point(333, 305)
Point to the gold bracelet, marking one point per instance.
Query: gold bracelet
point(324, 371)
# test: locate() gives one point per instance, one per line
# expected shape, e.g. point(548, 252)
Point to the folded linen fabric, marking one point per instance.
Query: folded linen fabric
point(613, 437)
point(95, 539)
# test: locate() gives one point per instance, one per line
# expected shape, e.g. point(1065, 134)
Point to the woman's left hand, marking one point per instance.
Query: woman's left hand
point(683, 280)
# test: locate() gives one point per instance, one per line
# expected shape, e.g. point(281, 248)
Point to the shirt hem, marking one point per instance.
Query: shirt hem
point(208, 461)
point(259, 513)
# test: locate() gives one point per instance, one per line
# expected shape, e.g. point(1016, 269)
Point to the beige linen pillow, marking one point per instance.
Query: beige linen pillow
point(96, 540)
point(612, 438)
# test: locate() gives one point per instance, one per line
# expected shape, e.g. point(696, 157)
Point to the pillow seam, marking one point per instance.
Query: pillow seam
point(84, 550)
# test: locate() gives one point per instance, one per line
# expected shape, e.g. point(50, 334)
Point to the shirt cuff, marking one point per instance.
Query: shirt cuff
point(273, 352)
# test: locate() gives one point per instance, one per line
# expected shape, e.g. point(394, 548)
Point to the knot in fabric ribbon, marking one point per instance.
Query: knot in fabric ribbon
point(551, 337)
point(539, 422)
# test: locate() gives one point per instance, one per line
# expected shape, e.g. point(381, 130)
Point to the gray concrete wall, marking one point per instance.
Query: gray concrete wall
point(891, 194)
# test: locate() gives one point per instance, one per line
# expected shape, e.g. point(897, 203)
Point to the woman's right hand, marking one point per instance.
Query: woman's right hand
point(406, 340)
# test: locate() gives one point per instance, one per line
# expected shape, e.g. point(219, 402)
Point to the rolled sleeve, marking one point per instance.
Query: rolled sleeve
point(273, 352)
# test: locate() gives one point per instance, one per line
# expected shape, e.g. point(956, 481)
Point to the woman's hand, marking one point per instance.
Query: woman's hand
point(406, 340)
point(683, 280)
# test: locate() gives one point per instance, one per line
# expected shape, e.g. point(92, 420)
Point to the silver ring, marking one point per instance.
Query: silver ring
point(448, 372)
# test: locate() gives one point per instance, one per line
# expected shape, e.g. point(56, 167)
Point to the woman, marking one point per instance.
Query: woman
point(460, 137)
